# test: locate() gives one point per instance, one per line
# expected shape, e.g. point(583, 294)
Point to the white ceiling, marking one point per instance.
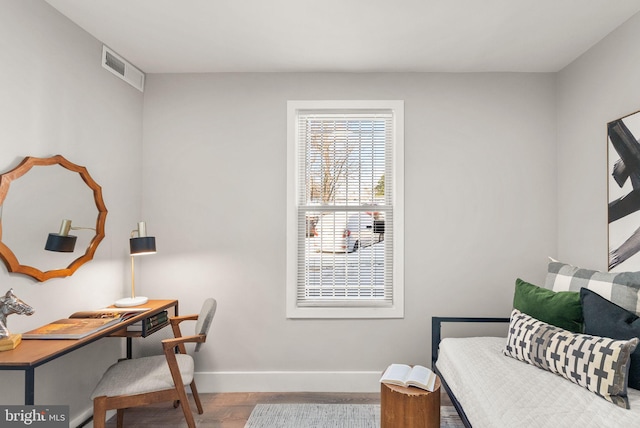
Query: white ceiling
point(174, 36)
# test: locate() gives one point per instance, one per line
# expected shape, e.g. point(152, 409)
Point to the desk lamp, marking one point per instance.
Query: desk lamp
point(138, 246)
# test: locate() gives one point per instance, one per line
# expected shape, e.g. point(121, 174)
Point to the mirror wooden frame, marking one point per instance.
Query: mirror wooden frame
point(10, 259)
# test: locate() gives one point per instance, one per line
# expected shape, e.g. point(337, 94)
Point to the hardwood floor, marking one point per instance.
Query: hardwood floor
point(231, 410)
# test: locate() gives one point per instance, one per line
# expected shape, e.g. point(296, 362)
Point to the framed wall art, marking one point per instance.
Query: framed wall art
point(623, 163)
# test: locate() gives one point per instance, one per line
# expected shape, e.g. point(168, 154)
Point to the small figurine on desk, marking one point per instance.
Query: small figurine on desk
point(10, 304)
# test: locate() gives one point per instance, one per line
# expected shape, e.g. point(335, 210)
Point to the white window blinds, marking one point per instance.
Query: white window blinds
point(345, 212)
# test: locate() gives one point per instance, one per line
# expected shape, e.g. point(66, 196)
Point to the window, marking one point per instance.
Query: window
point(345, 209)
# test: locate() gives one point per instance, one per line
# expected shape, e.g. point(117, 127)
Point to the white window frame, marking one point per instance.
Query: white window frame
point(396, 308)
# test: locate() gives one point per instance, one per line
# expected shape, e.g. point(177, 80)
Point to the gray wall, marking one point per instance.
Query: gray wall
point(480, 210)
point(57, 99)
point(599, 87)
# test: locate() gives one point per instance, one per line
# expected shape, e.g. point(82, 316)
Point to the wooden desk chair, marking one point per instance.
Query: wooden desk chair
point(146, 380)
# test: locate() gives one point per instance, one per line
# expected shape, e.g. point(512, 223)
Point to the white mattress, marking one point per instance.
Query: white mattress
point(497, 391)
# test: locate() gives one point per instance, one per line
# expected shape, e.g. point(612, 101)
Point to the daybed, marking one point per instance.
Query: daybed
point(493, 386)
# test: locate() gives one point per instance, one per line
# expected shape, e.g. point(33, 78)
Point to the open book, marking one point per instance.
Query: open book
point(404, 375)
point(81, 324)
point(110, 313)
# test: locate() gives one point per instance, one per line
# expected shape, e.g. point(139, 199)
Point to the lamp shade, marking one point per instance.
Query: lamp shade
point(61, 243)
point(142, 245)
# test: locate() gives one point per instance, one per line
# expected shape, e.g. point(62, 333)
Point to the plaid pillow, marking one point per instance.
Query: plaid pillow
point(598, 364)
point(621, 288)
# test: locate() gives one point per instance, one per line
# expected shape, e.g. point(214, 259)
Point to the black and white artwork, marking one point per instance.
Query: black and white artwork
point(624, 193)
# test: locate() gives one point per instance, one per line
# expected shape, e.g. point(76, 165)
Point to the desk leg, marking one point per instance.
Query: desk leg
point(29, 386)
point(129, 348)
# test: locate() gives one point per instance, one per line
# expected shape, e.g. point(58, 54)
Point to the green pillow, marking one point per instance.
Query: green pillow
point(562, 309)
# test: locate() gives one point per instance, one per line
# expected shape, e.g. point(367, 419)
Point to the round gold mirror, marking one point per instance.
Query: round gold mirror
point(55, 194)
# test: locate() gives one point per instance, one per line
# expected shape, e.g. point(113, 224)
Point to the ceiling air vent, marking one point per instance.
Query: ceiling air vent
point(121, 68)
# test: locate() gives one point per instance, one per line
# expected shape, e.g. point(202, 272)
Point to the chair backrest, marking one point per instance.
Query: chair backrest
point(205, 317)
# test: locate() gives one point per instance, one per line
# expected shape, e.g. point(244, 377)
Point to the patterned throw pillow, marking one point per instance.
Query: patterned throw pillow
point(598, 364)
point(622, 288)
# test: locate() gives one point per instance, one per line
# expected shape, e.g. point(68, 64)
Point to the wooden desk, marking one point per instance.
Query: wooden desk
point(32, 353)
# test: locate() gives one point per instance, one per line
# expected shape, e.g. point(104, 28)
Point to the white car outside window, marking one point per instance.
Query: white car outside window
point(345, 232)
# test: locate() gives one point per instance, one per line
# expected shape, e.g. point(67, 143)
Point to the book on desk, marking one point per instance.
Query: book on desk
point(151, 324)
point(82, 324)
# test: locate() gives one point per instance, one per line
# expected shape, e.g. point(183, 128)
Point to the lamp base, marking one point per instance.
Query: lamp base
point(131, 301)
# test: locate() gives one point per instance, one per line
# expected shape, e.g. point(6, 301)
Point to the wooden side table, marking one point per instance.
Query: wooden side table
point(402, 407)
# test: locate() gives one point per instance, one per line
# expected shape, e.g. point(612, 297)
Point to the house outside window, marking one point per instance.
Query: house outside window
point(345, 215)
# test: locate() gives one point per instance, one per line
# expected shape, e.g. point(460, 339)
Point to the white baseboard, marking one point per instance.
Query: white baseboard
point(288, 381)
point(81, 419)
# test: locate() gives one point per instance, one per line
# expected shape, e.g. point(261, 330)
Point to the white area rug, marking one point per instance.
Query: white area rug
point(329, 416)
point(314, 416)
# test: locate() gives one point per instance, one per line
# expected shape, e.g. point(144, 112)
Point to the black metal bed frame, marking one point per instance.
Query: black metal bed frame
point(436, 336)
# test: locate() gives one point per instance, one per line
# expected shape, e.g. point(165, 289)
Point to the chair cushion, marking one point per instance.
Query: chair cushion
point(204, 319)
point(141, 375)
